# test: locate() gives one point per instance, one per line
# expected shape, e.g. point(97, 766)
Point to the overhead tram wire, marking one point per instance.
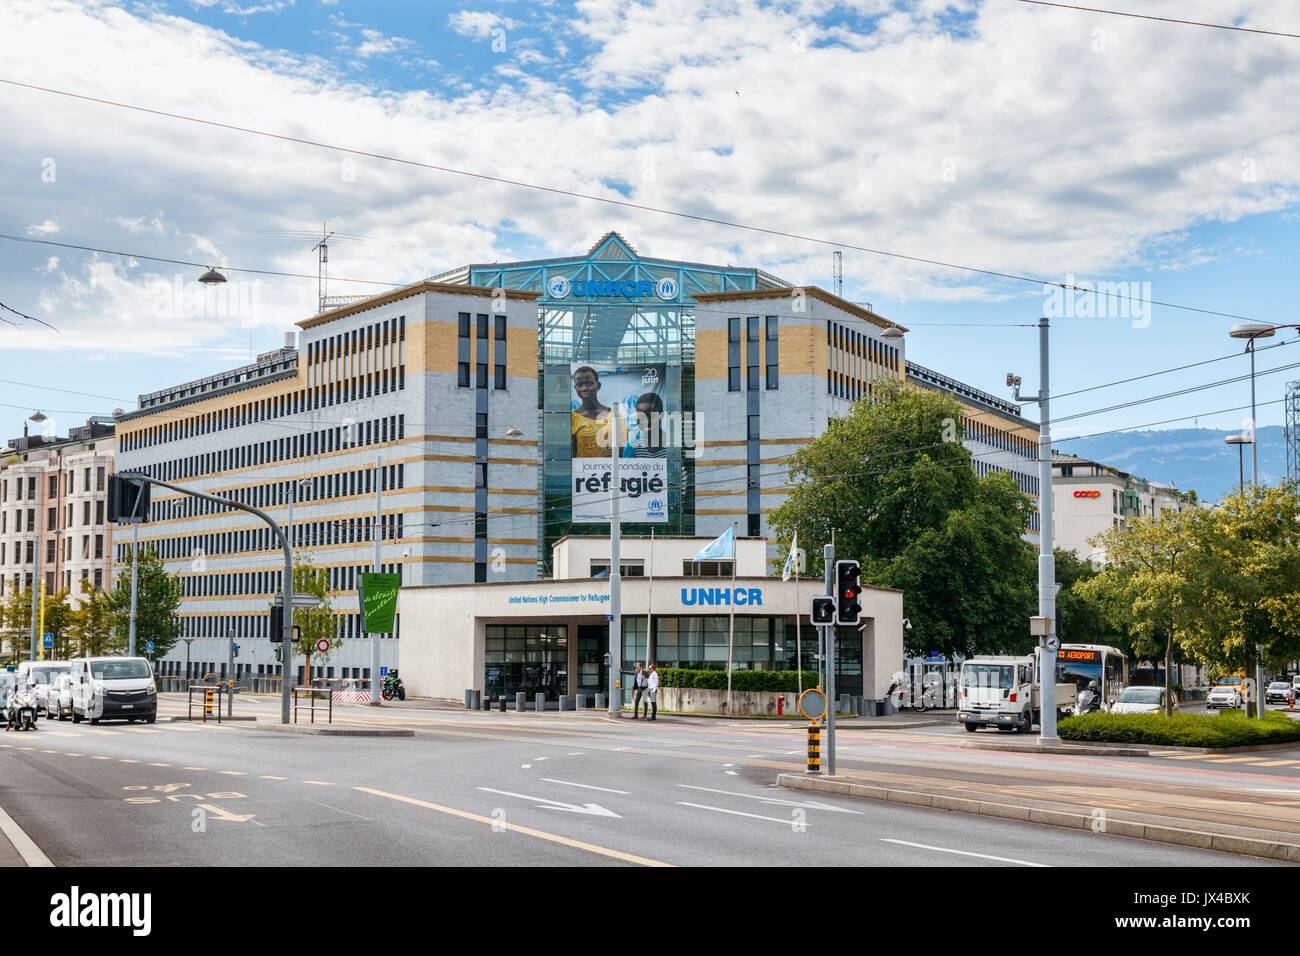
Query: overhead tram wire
point(1147, 16)
point(621, 203)
point(1166, 371)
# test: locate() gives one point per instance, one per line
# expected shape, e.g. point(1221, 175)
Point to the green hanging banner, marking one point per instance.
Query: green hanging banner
point(379, 602)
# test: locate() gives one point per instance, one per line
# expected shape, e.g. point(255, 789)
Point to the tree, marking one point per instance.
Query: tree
point(1083, 619)
point(316, 623)
point(895, 482)
point(91, 630)
point(16, 618)
point(160, 597)
point(1151, 587)
point(58, 621)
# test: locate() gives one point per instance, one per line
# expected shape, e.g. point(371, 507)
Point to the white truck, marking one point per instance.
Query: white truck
point(1004, 692)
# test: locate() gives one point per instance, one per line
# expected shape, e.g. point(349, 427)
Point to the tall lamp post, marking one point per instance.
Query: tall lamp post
point(1251, 331)
point(1240, 440)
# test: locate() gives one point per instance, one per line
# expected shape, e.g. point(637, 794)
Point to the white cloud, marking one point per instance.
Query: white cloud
point(51, 266)
point(47, 228)
point(478, 24)
point(1011, 145)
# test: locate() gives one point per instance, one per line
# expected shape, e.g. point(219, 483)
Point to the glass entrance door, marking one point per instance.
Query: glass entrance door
point(593, 672)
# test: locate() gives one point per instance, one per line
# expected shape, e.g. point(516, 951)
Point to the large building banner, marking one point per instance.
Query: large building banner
point(636, 394)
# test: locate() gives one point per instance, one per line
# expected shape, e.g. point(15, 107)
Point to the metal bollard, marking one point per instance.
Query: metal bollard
point(844, 704)
point(521, 702)
point(501, 703)
point(600, 701)
point(564, 703)
point(541, 703)
point(485, 703)
point(814, 748)
point(579, 701)
point(469, 700)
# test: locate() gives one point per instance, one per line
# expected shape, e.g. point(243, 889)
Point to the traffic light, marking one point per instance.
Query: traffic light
point(277, 624)
point(234, 649)
point(848, 608)
point(823, 609)
point(128, 500)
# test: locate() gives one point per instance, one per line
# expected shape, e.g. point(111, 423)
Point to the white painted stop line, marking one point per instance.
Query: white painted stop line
point(982, 856)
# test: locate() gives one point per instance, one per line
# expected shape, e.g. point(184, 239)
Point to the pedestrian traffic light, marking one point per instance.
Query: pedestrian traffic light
point(848, 608)
point(823, 609)
point(234, 649)
point(128, 500)
point(277, 624)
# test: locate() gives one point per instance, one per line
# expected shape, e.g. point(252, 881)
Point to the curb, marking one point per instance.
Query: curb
point(333, 731)
point(1156, 833)
point(211, 720)
point(1090, 748)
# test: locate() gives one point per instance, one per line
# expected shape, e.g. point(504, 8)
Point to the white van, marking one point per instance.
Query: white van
point(109, 688)
point(42, 675)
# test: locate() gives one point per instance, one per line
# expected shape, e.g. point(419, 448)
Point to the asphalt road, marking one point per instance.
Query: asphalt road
point(507, 790)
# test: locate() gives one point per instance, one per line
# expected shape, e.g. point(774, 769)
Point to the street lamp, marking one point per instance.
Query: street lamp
point(212, 277)
point(1250, 331)
point(514, 432)
point(893, 333)
point(188, 642)
point(1240, 440)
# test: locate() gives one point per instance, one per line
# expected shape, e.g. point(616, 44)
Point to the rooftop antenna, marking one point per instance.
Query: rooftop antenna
point(837, 275)
point(322, 267)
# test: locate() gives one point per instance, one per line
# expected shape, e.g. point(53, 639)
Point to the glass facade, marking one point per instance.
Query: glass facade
point(528, 658)
point(613, 308)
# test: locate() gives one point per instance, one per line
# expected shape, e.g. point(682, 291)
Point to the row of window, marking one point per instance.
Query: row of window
point(480, 362)
point(52, 518)
point(330, 357)
point(1028, 484)
point(25, 555)
point(319, 442)
point(69, 484)
point(176, 668)
point(306, 534)
point(258, 625)
point(998, 438)
point(752, 364)
point(317, 488)
point(854, 359)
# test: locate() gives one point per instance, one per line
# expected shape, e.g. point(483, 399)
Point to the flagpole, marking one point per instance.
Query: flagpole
point(798, 632)
point(731, 622)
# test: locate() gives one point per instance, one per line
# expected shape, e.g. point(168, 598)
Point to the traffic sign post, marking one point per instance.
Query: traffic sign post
point(48, 641)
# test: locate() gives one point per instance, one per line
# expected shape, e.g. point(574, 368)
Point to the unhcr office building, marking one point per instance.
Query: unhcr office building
point(476, 404)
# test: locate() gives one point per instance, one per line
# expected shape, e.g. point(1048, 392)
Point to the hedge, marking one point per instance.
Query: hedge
point(775, 681)
point(1229, 728)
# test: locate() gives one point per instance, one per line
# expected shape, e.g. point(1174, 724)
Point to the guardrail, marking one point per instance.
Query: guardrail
point(209, 700)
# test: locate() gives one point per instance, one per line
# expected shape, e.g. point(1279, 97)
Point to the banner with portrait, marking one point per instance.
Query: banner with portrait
point(635, 394)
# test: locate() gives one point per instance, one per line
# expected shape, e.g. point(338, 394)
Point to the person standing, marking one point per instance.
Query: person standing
point(638, 689)
point(652, 692)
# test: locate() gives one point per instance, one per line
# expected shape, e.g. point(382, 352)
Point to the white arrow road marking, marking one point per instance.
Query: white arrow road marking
point(731, 773)
point(753, 816)
point(585, 786)
point(982, 856)
point(595, 809)
point(216, 813)
point(809, 804)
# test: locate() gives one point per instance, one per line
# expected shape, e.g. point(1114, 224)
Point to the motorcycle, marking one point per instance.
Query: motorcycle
point(21, 712)
point(393, 687)
point(1089, 702)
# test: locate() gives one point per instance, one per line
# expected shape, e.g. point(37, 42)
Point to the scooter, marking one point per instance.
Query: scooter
point(1089, 702)
point(21, 713)
point(392, 687)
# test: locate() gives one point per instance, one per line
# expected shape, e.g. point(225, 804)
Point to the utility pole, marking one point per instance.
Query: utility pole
point(615, 578)
point(828, 641)
point(1046, 559)
point(36, 580)
point(379, 530)
point(135, 570)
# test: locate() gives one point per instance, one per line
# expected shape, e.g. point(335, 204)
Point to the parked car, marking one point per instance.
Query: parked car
point(42, 675)
point(58, 699)
point(1141, 700)
point(1279, 692)
point(1223, 695)
point(104, 688)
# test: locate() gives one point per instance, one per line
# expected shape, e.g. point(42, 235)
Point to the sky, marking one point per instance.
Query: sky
point(1055, 145)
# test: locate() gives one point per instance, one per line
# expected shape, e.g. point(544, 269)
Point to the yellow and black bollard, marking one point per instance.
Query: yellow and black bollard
point(207, 703)
point(814, 748)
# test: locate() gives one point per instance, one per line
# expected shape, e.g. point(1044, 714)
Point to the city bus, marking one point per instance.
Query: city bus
point(1079, 664)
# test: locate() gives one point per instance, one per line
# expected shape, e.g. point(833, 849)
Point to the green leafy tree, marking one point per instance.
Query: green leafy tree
point(59, 616)
point(897, 485)
point(1083, 619)
point(1151, 588)
point(16, 619)
point(160, 598)
point(92, 626)
point(317, 623)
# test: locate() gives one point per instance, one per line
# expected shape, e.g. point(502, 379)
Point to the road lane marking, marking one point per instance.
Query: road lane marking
point(585, 786)
point(525, 766)
point(101, 758)
point(593, 809)
point(319, 783)
point(576, 753)
point(789, 803)
point(73, 755)
point(32, 854)
point(126, 760)
point(267, 776)
point(516, 828)
point(61, 733)
point(731, 773)
point(339, 809)
point(194, 768)
point(233, 773)
point(160, 765)
point(49, 751)
point(737, 813)
point(1192, 757)
point(1234, 759)
point(1276, 763)
point(97, 730)
point(982, 856)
